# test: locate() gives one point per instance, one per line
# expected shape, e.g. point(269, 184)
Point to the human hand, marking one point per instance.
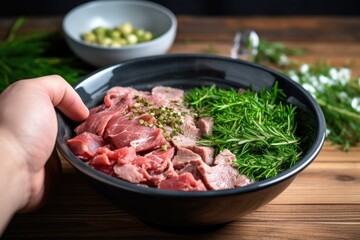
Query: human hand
point(28, 128)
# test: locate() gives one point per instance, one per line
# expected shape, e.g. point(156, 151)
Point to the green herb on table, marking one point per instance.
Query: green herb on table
point(36, 55)
point(256, 126)
point(275, 53)
point(211, 49)
point(339, 97)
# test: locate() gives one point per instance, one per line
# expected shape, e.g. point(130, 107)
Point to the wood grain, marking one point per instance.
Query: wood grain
point(323, 202)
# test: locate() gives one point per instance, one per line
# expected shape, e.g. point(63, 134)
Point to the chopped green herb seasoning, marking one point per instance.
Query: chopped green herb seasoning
point(165, 116)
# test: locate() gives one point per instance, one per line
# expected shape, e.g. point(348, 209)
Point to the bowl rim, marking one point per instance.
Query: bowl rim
point(153, 5)
point(285, 175)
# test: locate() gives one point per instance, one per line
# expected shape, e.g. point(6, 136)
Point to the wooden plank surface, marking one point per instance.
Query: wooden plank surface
point(323, 202)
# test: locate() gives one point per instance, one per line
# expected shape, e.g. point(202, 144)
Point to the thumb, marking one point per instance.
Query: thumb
point(64, 97)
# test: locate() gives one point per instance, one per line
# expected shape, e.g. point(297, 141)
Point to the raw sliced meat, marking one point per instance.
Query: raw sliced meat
point(205, 125)
point(85, 145)
point(168, 94)
point(129, 173)
point(183, 182)
point(124, 131)
point(206, 153)
point(185, 156)
point(225, 157)
point(218, 177)
point(150, 139)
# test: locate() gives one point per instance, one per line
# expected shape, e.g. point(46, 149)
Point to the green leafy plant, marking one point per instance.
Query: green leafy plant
point(334, 89)
point(275, 53)
point(339, 97)
point(36, 55)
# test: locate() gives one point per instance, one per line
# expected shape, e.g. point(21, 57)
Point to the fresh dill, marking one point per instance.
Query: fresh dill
point(258, 127)
point(37, 54)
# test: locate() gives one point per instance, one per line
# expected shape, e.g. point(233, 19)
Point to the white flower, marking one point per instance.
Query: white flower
point(343, 95)
point(292, 74)
point(355, 104)
point(283, 60)
point(327, 132)
point(325, 80)
point(254, 39)
point(314, 80)
point(344, 75)
point(333, 73)
point(308, 87)
point(304, 68)
point(320, 88)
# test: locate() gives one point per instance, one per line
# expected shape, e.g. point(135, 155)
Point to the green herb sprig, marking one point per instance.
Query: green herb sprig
point(275, 53)
point(35, 55)
point(256, 126)
point(335, 90)
point(339, 97)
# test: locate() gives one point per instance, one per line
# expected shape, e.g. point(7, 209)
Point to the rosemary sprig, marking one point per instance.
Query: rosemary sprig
point(36, 55)
point(256, 126)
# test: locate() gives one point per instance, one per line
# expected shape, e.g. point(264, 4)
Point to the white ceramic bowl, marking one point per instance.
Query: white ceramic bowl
point(142, 14)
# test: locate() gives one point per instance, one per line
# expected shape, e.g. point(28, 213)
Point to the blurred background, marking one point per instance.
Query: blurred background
point(200, 7)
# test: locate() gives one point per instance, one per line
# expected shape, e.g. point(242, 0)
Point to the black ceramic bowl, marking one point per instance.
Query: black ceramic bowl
point(176, 208)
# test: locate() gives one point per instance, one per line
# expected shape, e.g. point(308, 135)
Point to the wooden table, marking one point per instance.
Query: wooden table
point(322, 203)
